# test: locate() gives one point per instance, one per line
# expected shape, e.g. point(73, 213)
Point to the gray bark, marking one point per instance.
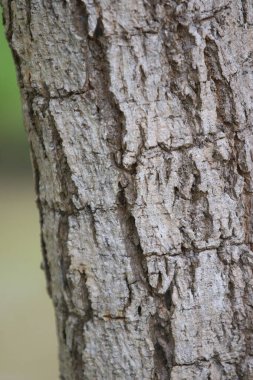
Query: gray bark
point(139, 116)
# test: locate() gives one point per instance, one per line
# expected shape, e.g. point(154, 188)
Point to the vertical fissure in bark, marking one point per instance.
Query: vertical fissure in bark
point(68, 309)
point(177, 41)
point(160, 328)
point(163, 339)
point(69, 190)
point(8, 22)
point(243, 171)
point(45, 264)
point(74, 317)
point(28, 12)
point(225, 105)
point(162, 335)
point(244, 10)
point(114, 138)
point(130, 232)
point(80, 18)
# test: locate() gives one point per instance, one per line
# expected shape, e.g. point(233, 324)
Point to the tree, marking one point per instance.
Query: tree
point(139, 117)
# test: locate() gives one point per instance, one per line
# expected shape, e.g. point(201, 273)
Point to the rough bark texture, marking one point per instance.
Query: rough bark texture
point(139, 116)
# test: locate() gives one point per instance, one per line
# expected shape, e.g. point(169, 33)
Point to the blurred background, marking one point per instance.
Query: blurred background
point(28, 348)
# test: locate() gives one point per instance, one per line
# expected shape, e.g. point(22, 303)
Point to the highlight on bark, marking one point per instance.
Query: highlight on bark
point(139, 117)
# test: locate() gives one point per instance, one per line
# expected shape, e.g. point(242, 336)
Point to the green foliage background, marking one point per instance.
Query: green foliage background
point(10, 108)
point(13, 145)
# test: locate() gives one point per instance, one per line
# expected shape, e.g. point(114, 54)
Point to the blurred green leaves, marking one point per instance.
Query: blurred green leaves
point(13, 145)
point(10, 108)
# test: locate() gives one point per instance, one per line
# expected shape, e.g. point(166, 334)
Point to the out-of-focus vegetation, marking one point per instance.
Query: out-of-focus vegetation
point(27, 332)
point(13, 144)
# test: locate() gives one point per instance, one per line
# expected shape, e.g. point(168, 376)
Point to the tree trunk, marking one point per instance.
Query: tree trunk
point(139, 116)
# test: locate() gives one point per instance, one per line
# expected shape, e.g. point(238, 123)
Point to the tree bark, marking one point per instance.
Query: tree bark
point(139, 116)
